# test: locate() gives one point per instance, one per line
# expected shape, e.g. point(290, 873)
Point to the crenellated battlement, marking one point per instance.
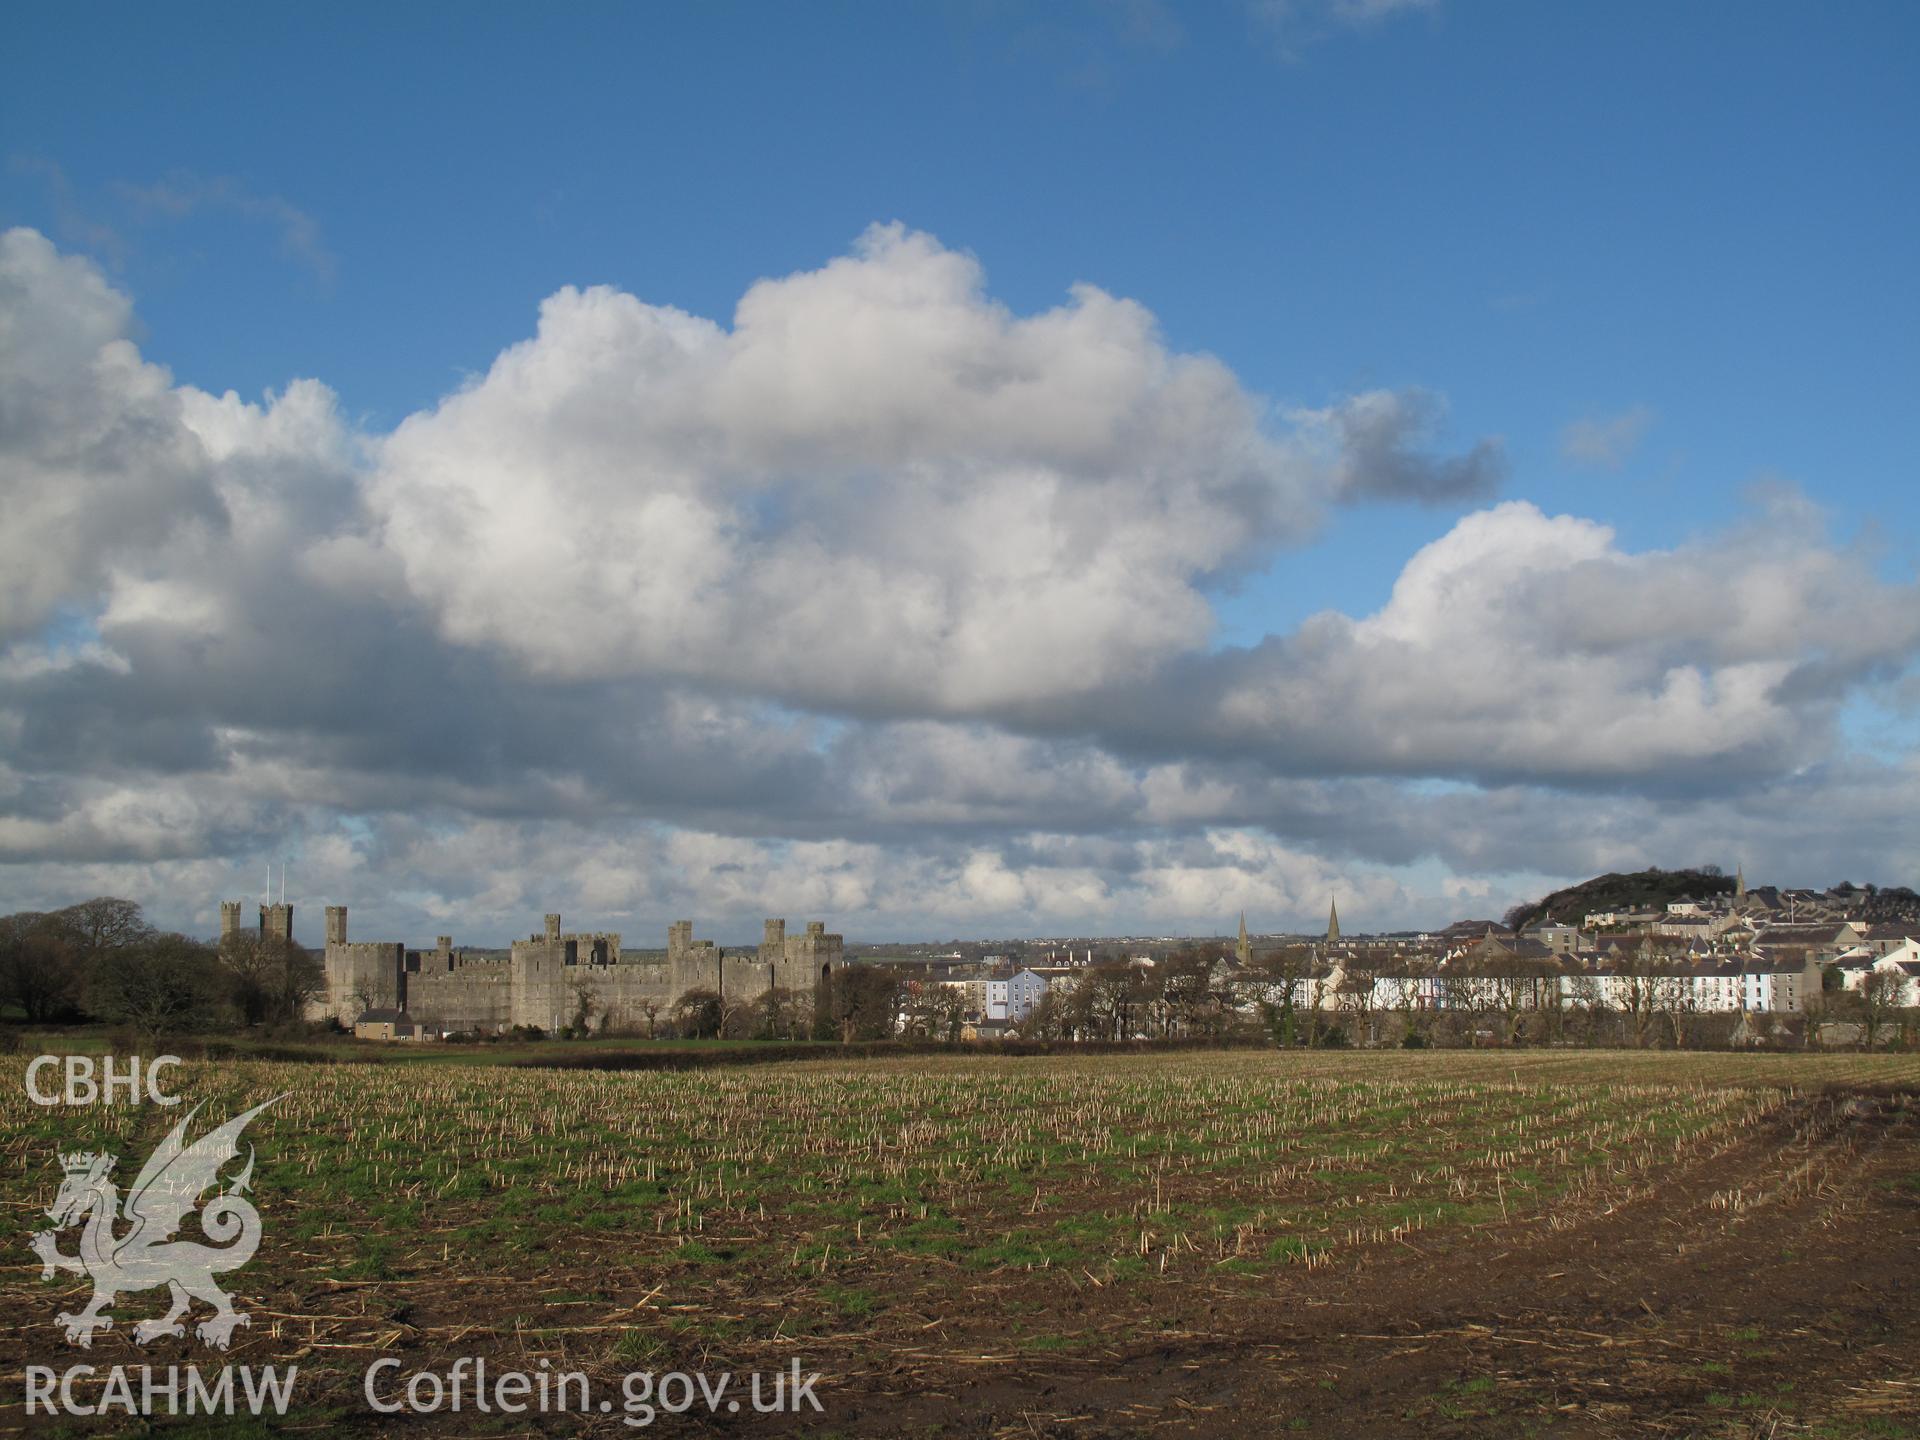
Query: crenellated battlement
point(555, 979)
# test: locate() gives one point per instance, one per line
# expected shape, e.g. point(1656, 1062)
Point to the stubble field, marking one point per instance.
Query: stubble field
point(1214, 1243)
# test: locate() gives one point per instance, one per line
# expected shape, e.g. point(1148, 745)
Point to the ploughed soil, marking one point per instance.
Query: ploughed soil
point(1771, 1289)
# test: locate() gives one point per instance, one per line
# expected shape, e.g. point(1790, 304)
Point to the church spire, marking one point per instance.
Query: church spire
point(1243, 952)
point(1333, 920)
point(1739, 881)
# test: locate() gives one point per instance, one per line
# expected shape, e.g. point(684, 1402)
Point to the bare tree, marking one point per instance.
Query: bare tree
point(1276, 978)
point(736, 1012)
point(697, 1014)
point(916, 1008)
point(1185, 990)
point(949, 1012)
point(1638, 989)
point(932, 1010)
point(1474, 1001)
point(1586, 1004)
point(1357, 995)
point(1883, 993)
point(1530, 986)
point(1113, 1001)
point(1408, 994)
point(786, 1014)
point(1323, 989)
point(248, 961)
point(863, 1001)
point(105, 924)
point(1673, 1000)
point(169, 983)
point(586, 1000)
point(270, 980)
point(1046, 1020)
point(40, 967)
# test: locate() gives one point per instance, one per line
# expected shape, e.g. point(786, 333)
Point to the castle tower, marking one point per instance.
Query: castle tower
point(1243, 952)
point(229, 919)
point(276, 922)
point(1333, 921)
point(809, 959)
point(336, 924)
point(773, 941)
point(553, 929)
point(443, 944)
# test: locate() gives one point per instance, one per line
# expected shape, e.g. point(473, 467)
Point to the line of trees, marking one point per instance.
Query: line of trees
point(1293, 998)
point(100, 960)
point(1113, 1000)
point(1194, 994)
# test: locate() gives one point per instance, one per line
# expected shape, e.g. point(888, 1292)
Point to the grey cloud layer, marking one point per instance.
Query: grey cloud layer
point(881, 601)
point(1382, 438)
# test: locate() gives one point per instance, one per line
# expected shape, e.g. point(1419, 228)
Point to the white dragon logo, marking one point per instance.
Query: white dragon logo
point(145, 1257)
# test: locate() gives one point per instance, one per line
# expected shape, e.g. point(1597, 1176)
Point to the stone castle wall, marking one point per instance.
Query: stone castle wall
point(799, 963)
point(359, 977)
point(553, 977)
point(552, 994)
point(473, 996)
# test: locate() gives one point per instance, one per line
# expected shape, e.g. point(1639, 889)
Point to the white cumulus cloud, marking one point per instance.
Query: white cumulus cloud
point(878, 486)
point(1526, 646)
point(97, 469)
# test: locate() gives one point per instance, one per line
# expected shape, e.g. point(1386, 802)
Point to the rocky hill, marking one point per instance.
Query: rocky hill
point(1641, 890)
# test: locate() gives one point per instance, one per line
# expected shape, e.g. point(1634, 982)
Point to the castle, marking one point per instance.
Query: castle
point(551, 979)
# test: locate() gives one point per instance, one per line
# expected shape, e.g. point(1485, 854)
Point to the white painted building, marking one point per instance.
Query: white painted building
point(1009, 999)
point(1903, 962)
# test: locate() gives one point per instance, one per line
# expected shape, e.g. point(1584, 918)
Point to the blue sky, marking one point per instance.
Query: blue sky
point(1550, 212)
point(1688, 228)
